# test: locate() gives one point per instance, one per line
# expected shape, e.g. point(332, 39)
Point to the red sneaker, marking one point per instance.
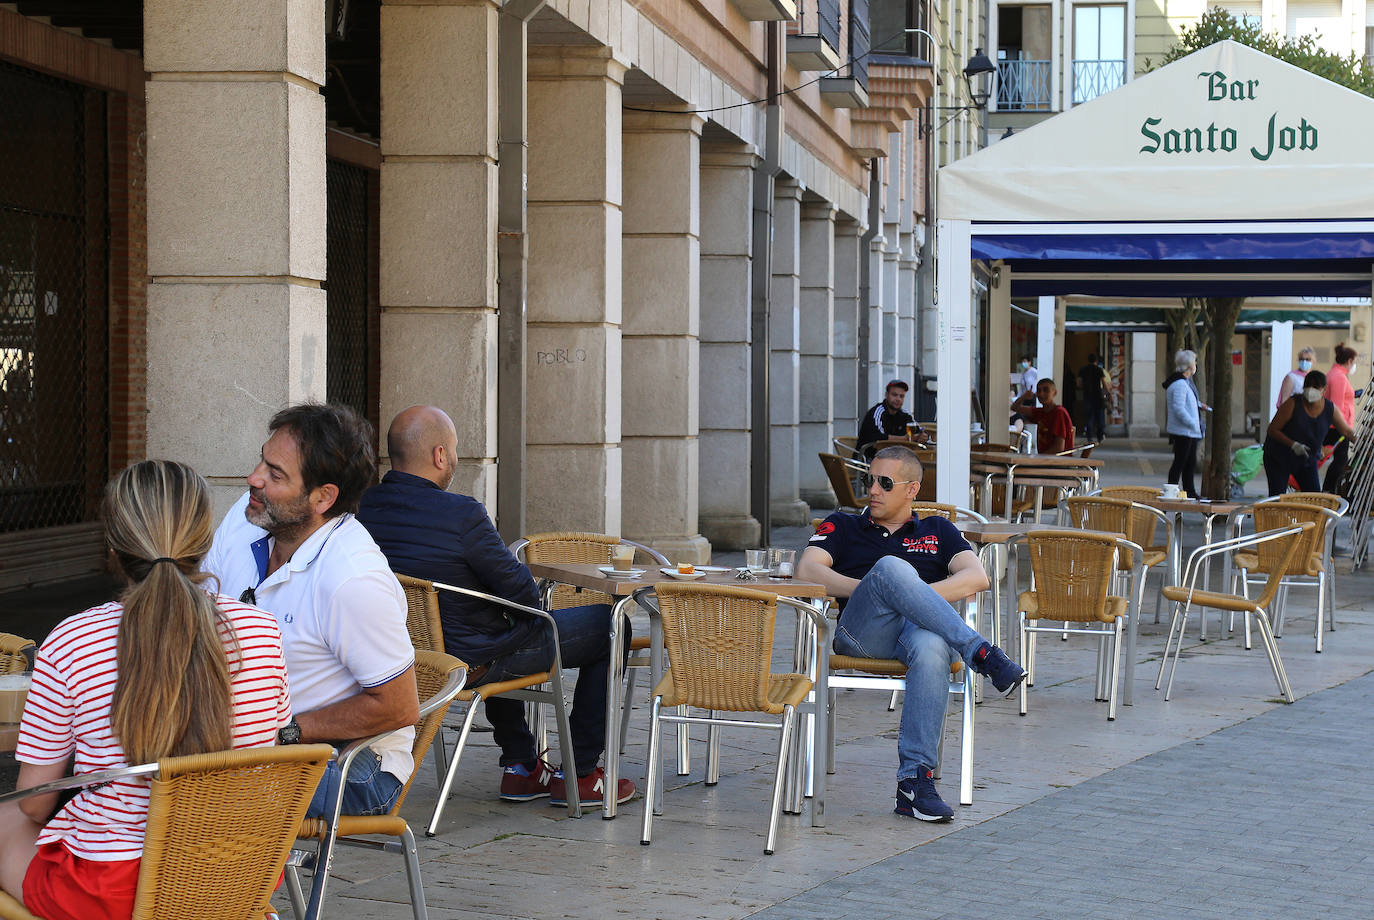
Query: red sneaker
point(590, 789)
point(519, 784)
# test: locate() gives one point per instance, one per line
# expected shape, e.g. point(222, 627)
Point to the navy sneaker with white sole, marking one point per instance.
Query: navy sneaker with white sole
point(993, 663)
point(917, 798)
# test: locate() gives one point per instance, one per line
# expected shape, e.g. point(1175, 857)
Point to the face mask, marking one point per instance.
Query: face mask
point(1025, 365)
point(1304, 365)
point(1311, 394)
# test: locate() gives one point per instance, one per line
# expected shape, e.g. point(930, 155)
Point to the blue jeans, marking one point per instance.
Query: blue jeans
point(368, 791)
point(893, 614)
point(584, 640)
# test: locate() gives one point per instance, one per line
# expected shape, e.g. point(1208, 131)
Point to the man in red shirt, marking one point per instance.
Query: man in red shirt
point(1055, 433)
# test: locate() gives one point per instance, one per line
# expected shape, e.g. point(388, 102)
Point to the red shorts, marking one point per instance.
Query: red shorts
point(60, 886)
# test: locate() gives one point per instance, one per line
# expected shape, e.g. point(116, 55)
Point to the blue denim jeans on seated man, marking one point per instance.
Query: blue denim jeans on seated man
point(893, 614)
point(368, 791)
point(584, 640)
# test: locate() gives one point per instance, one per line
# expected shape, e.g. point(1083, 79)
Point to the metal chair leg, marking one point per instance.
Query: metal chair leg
point(417, 887)
point(1116, 672)
point(784, 746)
point(1271, 646)
point(294, 892)
point(433, 827)
point(712, 752)
point(966, 743)
point(652, 778)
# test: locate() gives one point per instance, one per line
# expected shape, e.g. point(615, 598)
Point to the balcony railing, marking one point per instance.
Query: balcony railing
point(1093, 78)
point(1023, 86)
point(819, 17)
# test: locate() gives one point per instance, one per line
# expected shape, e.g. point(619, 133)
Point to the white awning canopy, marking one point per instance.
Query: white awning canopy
point(1226, 173)
point(1225, 134)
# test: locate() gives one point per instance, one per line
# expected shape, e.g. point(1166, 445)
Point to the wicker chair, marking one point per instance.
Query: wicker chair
point(1277, 550)
point(439, 678)
point(1312, 565)
point(841, 472)
point(422, 613)
point(719, 641)
point(528, 688)
point(573, 546)
point(1073, 575)
point(16, 654)
point(1130, 493)
point(220, 827)
point(849, 446)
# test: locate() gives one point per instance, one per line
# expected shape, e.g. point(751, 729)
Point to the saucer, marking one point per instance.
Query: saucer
point(623, 573)
point(674, 573)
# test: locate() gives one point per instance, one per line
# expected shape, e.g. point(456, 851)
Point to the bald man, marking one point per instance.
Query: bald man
point(431, 533)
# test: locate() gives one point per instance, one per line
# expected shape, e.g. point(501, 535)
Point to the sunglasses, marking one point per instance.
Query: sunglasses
point(887, 482)
point(249, 596)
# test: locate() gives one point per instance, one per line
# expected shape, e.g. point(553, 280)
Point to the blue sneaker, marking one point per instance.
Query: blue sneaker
point(917, 798)
point(992, 662)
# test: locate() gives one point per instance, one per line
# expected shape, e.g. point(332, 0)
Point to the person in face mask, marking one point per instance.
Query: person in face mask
point(1340, 391)
point(1292, 381)
point(1029, 376)
point(1293, 444)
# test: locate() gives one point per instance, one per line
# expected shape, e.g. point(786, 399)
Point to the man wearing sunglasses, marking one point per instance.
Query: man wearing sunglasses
point(898, 578)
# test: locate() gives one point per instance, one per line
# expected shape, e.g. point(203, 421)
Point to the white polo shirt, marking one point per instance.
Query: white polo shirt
point(341, 611)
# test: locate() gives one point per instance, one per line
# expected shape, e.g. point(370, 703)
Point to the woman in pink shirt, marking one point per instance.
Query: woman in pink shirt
point(1340, 392)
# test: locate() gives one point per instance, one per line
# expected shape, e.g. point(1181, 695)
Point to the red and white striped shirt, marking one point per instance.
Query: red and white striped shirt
point(67, 714)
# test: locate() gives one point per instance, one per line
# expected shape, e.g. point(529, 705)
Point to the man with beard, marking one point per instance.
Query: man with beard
point(431, 533)
point(293, 547)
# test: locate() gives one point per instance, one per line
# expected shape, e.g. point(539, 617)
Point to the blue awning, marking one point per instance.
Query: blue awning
point(1320, 262)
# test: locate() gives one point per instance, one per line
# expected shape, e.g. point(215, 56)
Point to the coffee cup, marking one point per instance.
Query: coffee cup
point(1170, 490)
point(622, 557)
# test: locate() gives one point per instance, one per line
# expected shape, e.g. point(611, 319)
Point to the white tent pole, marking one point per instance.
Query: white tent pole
point(954, 364)
point(1280, 363)
point(1044, 358)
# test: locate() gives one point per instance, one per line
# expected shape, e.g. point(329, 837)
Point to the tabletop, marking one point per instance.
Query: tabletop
point(1003, 532)
point(1007, 458)
point(1204, 505)
point(589, 575)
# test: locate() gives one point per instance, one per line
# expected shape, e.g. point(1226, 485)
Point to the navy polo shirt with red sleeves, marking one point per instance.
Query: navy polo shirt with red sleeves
point(855, 544)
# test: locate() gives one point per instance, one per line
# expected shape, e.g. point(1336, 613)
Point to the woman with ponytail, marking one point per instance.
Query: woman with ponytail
point(169, 669)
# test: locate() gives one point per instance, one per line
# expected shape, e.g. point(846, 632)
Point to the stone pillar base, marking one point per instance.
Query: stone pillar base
point(790, 514)
point(1142, 431)
point(731, 531)
point(819, 499)
point(694, 549)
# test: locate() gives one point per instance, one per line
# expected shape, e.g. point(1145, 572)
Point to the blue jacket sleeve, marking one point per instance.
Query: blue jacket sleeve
point(502, 574)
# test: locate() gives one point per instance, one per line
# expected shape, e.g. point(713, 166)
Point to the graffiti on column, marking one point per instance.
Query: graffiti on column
point(1116, 367)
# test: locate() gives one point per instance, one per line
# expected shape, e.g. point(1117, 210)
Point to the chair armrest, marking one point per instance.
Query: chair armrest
point(653, 553)
point(81, 781)
point(1203, 552)
point(512, 605)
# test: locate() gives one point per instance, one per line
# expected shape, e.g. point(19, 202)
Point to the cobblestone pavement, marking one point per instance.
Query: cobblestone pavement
point(1265, 819)
point(1222, 802)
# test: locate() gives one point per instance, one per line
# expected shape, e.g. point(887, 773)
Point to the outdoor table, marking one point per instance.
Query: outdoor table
point(1056, 471)
point(635, 590)
point(1211, 510)
point(1002, 533)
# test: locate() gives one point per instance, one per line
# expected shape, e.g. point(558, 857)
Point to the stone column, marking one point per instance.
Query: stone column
point(786, 505)
point(727, 182)
point(573, 387)
point(891, 292)
point(661, 362)
point(906, 310)
point(873, 386)
point(1141, 420)
point(236, 227)
point(817, 330)
point(438, 224)
point(846, 345)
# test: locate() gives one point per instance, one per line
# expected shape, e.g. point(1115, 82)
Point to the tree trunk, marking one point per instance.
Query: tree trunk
point(1220, 316)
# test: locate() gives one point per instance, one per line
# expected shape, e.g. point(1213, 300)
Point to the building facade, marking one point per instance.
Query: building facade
point(651, 257)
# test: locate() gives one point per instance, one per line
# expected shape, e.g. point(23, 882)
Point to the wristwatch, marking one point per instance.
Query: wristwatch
point(290, 733)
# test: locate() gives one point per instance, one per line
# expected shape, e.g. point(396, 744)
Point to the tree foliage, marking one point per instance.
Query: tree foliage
point(1303, 51)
